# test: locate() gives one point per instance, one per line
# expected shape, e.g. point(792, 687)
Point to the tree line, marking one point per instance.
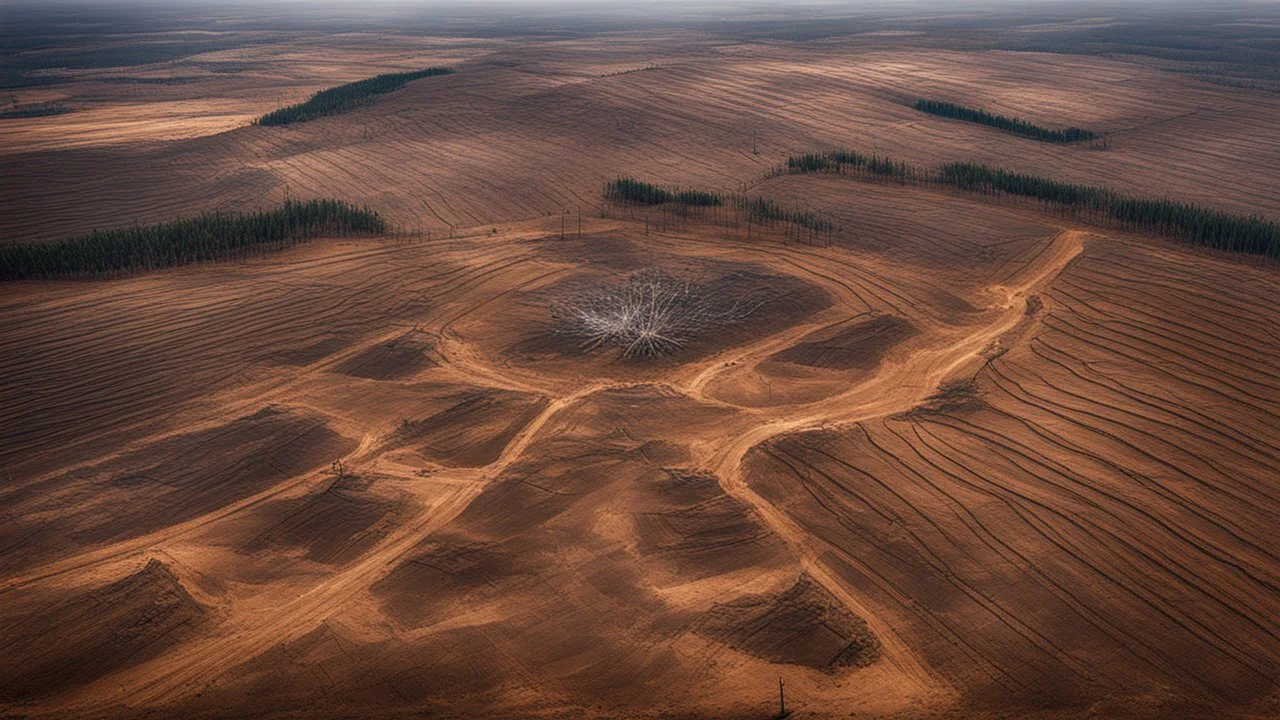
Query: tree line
point(1199, 225)
point(1160, 216)
point(33, 110)
point(345, 98)
point(638, 192)
point(731, 209)
point(205, 237)
point(1013, 125)
point(764, 211)
point(840, 160)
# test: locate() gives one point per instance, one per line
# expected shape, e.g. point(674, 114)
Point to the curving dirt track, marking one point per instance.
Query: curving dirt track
point(969, 461)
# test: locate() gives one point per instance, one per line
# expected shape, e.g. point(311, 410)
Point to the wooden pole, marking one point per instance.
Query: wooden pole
point(782, 698)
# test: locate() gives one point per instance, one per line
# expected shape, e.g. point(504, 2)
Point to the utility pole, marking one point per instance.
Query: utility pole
point(579, 222)
point(782, 699)
point(755, 149)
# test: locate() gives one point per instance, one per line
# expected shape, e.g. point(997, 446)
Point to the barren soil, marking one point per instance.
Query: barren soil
point(973, 459)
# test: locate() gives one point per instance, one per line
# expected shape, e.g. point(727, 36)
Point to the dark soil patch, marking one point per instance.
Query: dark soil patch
point(333, 526)
point(856, 345)
point(472, 432)
point(448, 571)
point(73, 642)
point(953, 397)
point(395, 359)
point(804, 625)
point(164, 483)
point(778, 301)
point(701, 531)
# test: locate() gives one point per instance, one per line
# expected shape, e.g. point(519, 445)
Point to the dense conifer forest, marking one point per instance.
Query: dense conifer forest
point(210, 236)
point(1171, 218)
point(345, 98)
point(1013, 125)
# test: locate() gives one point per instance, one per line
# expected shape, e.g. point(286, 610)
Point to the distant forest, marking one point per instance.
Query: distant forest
point(754, 209)
point(1013, 125)
point(210, 236)
point(1202, 226)
point(1193, 223)
point(14, 112)
point(345, 98)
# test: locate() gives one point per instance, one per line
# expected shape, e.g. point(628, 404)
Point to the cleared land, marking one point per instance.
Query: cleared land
point(969, 459)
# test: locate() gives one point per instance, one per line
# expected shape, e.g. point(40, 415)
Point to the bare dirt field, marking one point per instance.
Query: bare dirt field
point(970, 459)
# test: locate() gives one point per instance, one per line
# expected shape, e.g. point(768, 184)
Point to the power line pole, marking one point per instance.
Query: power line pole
point(782, 699)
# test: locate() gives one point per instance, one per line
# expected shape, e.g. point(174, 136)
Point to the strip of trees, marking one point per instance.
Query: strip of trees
point(765, 211)
point(205, 237)
point(638, 192)
point(33, 110)
point(345, 98)
point(1199, 225)
point(1013, 125)
point(1186, 221)
point(842, 161)
point(731, 209)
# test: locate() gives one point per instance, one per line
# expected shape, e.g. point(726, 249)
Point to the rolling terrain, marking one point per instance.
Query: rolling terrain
point(968, 459)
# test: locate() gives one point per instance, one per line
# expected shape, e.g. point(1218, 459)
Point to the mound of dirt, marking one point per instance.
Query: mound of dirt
point(394, 359)
point(98, 632)
point(332, 526)
point(698, 530)
point(856, 345)
point(803, 625)
point(953, 397)
point(450, 571)
point(473, 431)
point(165, 482)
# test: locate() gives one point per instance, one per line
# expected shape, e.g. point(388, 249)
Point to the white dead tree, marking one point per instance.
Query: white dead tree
point(650, 314)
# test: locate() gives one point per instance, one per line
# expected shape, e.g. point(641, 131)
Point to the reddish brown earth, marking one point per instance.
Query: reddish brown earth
point(972, 460)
